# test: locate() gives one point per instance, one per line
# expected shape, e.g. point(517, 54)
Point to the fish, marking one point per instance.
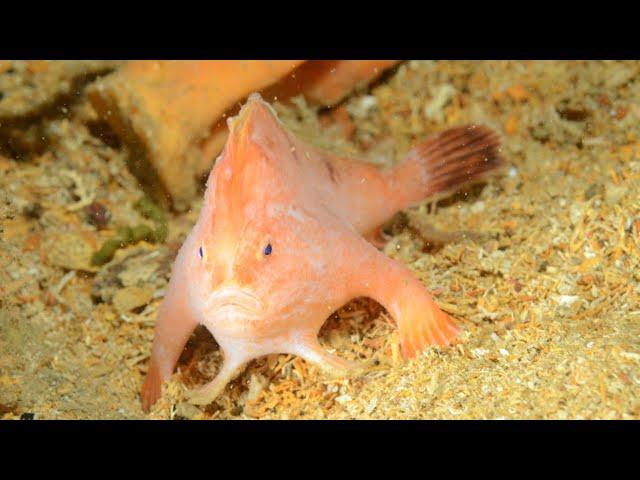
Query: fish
point(286, 236)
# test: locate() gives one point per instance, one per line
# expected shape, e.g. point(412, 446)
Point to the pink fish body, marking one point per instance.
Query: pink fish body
point(279, 246)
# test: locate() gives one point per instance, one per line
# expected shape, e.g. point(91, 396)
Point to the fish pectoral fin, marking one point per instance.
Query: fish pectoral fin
point(435, 236)
point(210, 391)
point(420, 321)
point(314, 353)
point(431, 326)
point(151, 388)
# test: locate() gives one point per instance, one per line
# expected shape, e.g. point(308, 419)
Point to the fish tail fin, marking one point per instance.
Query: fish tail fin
point(431, 327)
point(449, 160)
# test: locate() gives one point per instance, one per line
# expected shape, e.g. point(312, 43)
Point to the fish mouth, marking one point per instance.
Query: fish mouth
point(234, 301)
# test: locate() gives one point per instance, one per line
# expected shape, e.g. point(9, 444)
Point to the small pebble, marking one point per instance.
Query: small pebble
point(478, 207)
point(97, 215)
point(593, 190)
point(237, 410)
point(33, 210)
point(186, 411)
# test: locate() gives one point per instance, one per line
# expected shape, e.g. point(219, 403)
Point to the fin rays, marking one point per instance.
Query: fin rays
point(459, 156)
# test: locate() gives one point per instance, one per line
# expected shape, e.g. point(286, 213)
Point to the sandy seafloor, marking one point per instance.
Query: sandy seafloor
point(545, 285)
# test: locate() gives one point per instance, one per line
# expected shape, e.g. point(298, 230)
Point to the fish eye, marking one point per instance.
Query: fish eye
point(200, 252)
point(267, 249)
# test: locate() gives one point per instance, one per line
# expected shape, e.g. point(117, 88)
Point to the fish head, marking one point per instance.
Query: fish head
point(256, 244)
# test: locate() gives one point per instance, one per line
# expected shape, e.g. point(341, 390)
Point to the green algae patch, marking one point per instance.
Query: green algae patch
point(131, 235)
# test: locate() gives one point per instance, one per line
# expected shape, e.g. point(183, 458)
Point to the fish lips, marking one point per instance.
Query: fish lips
point(233, 301)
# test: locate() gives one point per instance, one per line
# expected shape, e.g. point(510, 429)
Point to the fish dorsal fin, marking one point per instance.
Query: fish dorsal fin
point(256, 124)
point(249, 173)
